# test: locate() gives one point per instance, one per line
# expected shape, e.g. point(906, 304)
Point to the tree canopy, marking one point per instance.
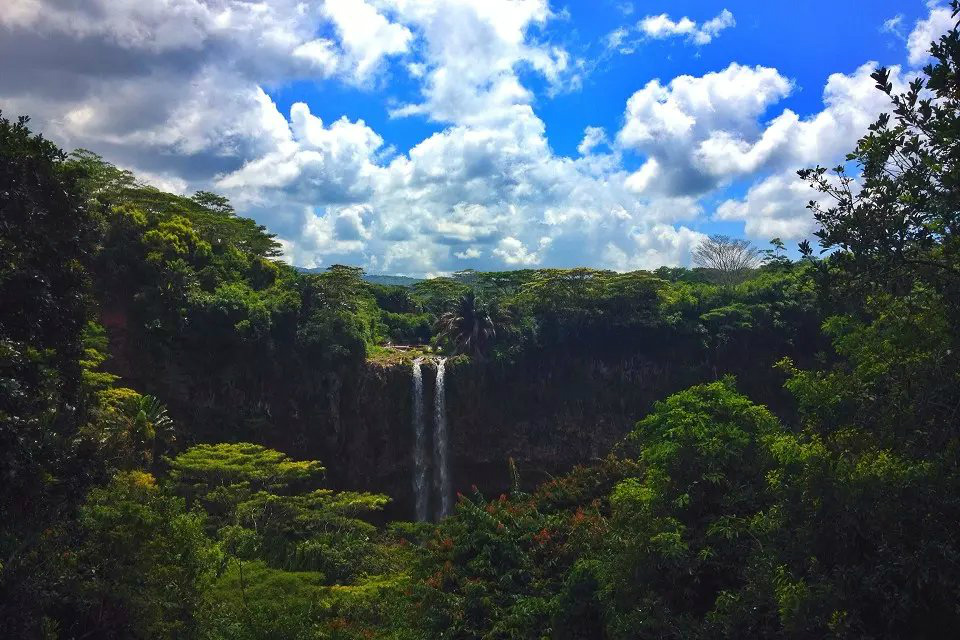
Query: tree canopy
point(166, 385)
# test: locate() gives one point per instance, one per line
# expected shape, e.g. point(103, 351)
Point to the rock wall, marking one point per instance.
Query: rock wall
point(547, 416)
point(547, 411)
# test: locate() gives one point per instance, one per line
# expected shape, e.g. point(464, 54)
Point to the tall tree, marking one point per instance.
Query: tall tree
point(468, 326)
point(730, 259)
point(46, 239)
point(901, 225)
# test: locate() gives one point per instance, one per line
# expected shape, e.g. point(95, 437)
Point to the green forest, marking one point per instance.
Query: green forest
point(174, 463)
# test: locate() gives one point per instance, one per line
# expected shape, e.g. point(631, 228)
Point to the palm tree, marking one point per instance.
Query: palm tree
point(469, 325)
point(156, 427)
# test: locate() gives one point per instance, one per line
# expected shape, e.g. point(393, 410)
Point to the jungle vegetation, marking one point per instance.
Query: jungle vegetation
point(138, 499)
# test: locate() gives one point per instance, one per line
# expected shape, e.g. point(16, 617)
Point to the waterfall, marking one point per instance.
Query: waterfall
point(443, 501)
point(441, 468)
point(420, 488)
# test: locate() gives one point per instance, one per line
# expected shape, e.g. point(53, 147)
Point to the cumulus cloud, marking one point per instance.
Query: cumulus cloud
point(627, 39)
point(315, 163)
point(592, 138)
point(178, 86)
point(468, 254)
point(496, 194)
point(473, 51)
point(773, 208)
point(662, 26)
point(653, 246)
point(667, 123)
point(851, 103)
point(335, 233)
point(698, 134)
point(180, 91)
point(938, 22)
point(515, 253)
point(365, 34)
point(486, 188)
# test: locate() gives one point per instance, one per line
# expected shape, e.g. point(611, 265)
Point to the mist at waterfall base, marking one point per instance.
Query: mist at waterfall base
point(442, 495)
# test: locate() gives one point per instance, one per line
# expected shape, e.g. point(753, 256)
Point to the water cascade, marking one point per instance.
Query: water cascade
point(441, 463)
point(420, 488)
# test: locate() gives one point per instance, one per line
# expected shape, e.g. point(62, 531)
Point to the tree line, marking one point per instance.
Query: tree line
point(142, 334)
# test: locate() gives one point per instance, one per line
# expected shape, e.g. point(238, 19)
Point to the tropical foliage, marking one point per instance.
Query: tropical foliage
point(167, 507)
point(469, 327)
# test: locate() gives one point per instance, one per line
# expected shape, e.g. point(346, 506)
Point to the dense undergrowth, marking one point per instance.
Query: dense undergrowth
point(136, 506)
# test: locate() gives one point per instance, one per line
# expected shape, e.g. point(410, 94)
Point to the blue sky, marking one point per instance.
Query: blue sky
point(426, 136)
point(830, 37)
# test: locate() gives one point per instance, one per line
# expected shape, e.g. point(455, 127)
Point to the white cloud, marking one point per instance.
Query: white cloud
point(515, 253)
point(773, 208)
point(938, 22)
point(776, 205)
point(488, 187)
point(326, 237)
point(179, 82)
point(894, 26)
point(592, 138)
point(179, 92)
point(627, 39)
point(653, 246)
point(662, 26)
point(366, 35)
point(316, 163)
point(467, 223)
point(470, 253)
point(712, 28)
point(468, 192)
point(473, 51)
point(851, 102)
point(700, 133)
point(617, 39)
point(667, 123)
point(320, 54)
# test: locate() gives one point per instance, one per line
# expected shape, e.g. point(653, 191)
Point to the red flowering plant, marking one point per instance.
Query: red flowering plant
point(499, 568)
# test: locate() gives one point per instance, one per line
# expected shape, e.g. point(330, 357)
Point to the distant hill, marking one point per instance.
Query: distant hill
point(397, 281)
point(376, 278)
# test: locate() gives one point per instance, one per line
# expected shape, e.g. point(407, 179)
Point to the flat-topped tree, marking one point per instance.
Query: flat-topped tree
point(229, 473)
point(267, 507)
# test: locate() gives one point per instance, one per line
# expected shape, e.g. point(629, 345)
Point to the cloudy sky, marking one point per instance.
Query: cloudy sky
point(427, 136)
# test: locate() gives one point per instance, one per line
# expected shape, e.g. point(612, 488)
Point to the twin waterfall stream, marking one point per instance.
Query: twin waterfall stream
point(441, 464)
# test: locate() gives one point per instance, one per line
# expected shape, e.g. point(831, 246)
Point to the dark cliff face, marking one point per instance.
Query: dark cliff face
point(369, 444)
point(547, 411)
point(547, 416)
